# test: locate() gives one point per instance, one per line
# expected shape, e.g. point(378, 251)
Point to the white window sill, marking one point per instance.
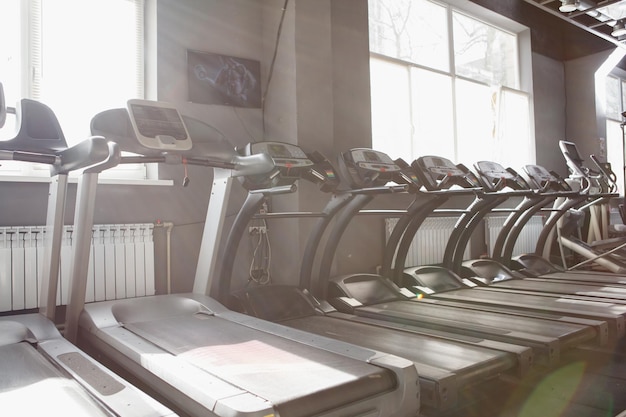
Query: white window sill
point(104, 181)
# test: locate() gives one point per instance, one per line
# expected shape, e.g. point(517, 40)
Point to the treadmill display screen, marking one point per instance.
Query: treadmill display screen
point(278, 150)
point(153, 121)
point(285, 155)
point(540, 173)
point(440, 166)
point(371, 156)
point(371, 160)
point(572, 150)
point(493, 170)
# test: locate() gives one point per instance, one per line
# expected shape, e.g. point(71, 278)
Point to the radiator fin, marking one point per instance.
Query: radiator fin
point(527, 240)
point(121, 264)
point(429, 244)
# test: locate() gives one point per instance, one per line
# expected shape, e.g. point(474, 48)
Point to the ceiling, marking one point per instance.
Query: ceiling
point(599, 17)
point(564, 36)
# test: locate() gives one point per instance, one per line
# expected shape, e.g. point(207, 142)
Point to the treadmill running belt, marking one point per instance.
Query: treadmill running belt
point(408, 310)
point(467, 361)
point(592, 277)
point(298, 379)
point(30, 385)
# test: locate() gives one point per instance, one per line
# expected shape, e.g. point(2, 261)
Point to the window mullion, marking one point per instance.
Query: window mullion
point(140, 26)
point(451, 58)
point(414, 139)
point(33, 61)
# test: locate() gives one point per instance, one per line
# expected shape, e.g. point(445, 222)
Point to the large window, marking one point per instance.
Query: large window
point(446, 83)
point(77, 56)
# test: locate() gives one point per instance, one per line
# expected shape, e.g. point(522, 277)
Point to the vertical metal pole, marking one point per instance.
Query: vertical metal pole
point(52, 246)
point(211, 236)
point(83, 225)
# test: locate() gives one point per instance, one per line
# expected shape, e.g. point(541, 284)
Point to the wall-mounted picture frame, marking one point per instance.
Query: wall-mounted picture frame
point(222, 79)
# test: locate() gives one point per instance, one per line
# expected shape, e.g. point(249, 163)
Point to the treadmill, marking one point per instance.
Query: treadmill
point(447, 363)
point(442, 284)
point(534, 264)
point(375, 297)
point(41, 373)
point(495, 275)
point(600, 191)
point(188, 349)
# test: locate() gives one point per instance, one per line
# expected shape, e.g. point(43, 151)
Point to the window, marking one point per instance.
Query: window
point(446, 83)
point(615, 105)
point(77, 56)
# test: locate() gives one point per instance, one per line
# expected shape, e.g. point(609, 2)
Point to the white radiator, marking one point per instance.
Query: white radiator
point(527, 240)
point(429, 243)
point(121, 264)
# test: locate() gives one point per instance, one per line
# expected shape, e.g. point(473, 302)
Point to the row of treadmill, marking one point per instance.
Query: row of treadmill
point(408, 341)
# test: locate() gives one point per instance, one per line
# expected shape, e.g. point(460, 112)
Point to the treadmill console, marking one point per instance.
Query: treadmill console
point(438, 173)
point(573, 159)
point(609, 178)
point(499, 177)
point(285, 155)
point(544, 179)
point(291, 163)
point(158, 125)
point(362, 167)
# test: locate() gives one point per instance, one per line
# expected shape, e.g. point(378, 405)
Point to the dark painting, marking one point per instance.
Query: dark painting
point(223, 79)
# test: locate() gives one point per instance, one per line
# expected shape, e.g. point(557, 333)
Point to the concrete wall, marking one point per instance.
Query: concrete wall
point(550, 111)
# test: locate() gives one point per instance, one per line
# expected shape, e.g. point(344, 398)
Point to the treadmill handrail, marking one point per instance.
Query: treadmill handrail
point(111, 160)
point(385, 189)
point(38, 158)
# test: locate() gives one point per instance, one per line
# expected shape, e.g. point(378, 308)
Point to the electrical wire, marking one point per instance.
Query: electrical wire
point(243, 124)
point(271, 71)
point(259, 271)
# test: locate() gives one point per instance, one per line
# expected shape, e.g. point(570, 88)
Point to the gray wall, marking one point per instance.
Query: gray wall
point(318, 98)
point(549, 107)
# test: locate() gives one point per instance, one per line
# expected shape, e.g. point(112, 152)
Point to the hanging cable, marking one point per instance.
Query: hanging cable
point(259, 271)
point(271, 71)
point(186, 177)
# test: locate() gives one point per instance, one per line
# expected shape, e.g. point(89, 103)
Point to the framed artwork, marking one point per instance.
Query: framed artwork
point(222, 79)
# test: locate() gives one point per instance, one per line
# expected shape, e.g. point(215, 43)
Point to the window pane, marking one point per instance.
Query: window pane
point(475, 115)
point(432, 114)
point(89, 59)
point(484, 53)
point(613, 98)
point(391, 103)
point(411, 30)
point(514, 147)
